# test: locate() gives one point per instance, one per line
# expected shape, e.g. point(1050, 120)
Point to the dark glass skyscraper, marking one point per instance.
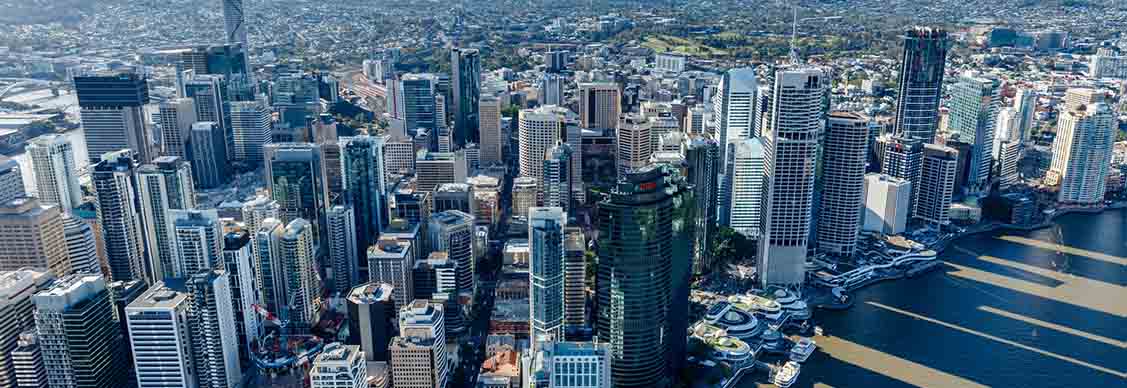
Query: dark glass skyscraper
point(112, 116)
point(296, 180)
point(363, 173)
point(921, 83)
point(703, 158)
point(645, 243)
point(466, 65)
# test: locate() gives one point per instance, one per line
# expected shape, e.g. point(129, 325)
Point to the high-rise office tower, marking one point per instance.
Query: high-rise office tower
point(238, 262)
point(633, 138)
point(164, 185)
point(575, 141)
point(123, 294)
point(843, 179)
point(211, 101)
point(1075, 97)
point(409, 204)
point(552, 89)
point(572, 365)
point(112, 118)
point(55, 171)
point(433, 169)
point(418, 354)
point(1025, 105)
point(645, 248)
point(199, 240)
point(902, 157)
point(371, 323)
point(485, 199)
point(575, 279)
point(176, 118)
point(417, 102)
point(16, 290)
point(228, 60)
point(27, 361)
point(214, 336)
point(791, 145)
point(921, 83)
point(362, 161)
point(937, 184)
point(556, 187)
point(539, 130)
point(452, 232)
point(702, 157)
point(434, 275)
point(234, 19)
point(555, 61)
point(160, 338)
point(1009, 154)
point(251, 130)
point(466, 67)
point(599, 105)
point(343, 248)
point(733, 107)
point(398, 156)
point(887, 200)
point(1082, 153)
point(745, 189)
point(299, 274)
point(452, 196)
point(118, 200)
point(546, 274)
point(78, 328)
point(489, 128)
point(33, 237)
point(82, 245)
point(270, 273)
point(975, 102)
point(209, 159)
point(11, 180)
point(339, 366)
point(525, 191)
point(255, 211)
point(296, 181)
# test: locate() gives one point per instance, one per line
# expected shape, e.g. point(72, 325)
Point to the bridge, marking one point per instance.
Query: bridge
point(9, 85)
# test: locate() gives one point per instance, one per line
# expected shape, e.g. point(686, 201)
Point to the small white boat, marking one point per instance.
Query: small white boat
point(802, 350)
point(786, 375)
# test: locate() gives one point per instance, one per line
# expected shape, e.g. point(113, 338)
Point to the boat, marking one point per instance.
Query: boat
point(786, 375)
point(802, 350)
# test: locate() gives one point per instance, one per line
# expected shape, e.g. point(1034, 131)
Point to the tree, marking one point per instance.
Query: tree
point(732, 245)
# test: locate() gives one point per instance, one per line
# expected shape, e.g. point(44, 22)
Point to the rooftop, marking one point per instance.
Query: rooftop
point(371, 293)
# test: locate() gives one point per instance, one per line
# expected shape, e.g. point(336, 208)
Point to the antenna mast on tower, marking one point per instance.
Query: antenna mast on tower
point(794, 38)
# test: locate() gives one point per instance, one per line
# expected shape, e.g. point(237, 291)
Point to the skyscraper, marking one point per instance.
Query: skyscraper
point(234, 19)
point(452, 232)
point(55, 171)
point(552, 89)
point(238, 262)
point(573, 365)
point(489, 128)
point(1025, 105)
point(11, 180)
point(466, 66)
point(734, 107)
point(921, 82)
point(575, 279)
point(214, 337)
point(118, 200)
point(199, 240)
point(270, 273)
point(416, 96)
point(902, 157)
point(645, 247)
point(32, 237)
point(82, 245)
point(176, 118)
point(937, 184)
point(702, 157)
point(546, 274)
point(163, 186)
point(251, 128)
point(791, 144)
point(299, 274)
point(433, 169)
point(296, 181)
point(160, 338)
point(16, 290)
point(556, 187)
point(746, 187)
point(27, 361)
point(633, 141)
point(211, 101)
point(975, 102)
point(887, 200)
point(599, 105)
point(1082, 153)
point(343, 248)
point(843, 179)
point(539, 130)
point(418, 354)
point(77, 325)
point(209, 158)
point(112, 118)
point(371, 321)
point(364, 186)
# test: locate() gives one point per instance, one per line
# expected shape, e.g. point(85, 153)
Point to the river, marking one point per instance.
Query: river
point(1046, 308)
